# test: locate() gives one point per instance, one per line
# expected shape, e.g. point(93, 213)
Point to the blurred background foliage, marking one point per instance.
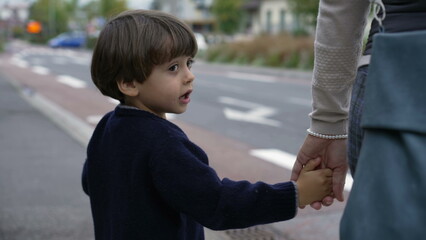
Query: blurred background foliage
point(58, 16)
point(290, 49)
point(228, 15)
point(284, 51)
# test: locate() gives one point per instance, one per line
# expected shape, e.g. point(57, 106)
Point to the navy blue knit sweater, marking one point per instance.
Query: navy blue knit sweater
point(147, 180)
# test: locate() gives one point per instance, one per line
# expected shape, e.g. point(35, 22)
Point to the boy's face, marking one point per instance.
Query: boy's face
point(167, 89)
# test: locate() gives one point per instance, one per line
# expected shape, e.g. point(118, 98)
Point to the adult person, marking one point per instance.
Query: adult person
point(338, 61)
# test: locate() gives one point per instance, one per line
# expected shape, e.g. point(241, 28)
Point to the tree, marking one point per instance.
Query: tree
point(91, 9)
point(110, 8)
point(228, 15)
point(306, 9)
point(52, 14)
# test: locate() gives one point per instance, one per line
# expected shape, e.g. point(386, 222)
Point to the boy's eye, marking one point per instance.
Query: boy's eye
point(174, 68)
point(189, 63)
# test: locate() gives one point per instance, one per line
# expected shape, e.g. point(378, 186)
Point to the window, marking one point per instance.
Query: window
point(282, 20)
point(269, 21)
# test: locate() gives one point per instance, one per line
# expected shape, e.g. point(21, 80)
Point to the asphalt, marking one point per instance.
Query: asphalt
point(40, 167)
point(42, 150)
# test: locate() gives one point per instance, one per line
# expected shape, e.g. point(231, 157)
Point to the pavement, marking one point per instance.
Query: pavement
point(40, 164)
point(42, 150)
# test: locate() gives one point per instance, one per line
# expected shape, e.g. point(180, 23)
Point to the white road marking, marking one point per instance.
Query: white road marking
point(257, 113)
point(40, 70)
point(275, 156)
point(71, 81)
point(170, 116)
point(251, 77)
point(94, 119)
point(286, 160)
point(19, 62)
point(114, 101)
point(349, 182)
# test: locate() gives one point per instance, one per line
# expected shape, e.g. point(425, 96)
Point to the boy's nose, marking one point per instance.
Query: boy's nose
point(189, 77)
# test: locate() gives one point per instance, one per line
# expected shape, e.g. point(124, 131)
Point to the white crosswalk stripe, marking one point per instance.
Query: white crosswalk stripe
point(40, 70)
point(71, 81)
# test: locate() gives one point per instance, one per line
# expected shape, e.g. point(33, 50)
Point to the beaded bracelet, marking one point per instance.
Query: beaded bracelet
point(333, 137)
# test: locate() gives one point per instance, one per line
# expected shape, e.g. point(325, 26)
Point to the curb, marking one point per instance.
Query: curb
point(75, 127)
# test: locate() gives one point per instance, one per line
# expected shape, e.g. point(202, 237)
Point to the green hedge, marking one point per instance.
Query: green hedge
point(272, 51)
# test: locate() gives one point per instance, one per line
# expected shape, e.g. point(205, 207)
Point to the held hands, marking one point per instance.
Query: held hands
point(333, 156)
point(313, 185)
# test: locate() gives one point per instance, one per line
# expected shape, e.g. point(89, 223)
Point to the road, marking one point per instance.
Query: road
point(239, 103)
point(251, 121)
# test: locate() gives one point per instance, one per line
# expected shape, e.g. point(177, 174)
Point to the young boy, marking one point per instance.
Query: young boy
point(145, 178)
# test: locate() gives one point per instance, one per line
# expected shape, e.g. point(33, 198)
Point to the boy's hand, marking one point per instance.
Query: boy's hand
point(313, 185)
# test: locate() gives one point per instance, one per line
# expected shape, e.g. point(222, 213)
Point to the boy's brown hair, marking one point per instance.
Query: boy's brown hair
point(132, 43)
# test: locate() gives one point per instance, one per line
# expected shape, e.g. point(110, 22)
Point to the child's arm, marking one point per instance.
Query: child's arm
point(314, 185)
point(182, 177)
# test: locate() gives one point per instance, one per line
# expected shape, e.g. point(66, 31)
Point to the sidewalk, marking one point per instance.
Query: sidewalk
point(40, 165)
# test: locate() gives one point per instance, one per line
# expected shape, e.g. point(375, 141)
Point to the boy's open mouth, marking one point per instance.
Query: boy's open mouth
point(185, 97)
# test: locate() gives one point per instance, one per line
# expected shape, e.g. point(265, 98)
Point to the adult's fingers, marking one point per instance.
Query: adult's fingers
point(339, 179)
point(295, 172)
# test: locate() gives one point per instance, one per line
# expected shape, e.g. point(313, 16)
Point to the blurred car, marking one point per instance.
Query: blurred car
point(68, 39)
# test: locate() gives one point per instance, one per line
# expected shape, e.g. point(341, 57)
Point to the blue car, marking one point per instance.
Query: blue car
point(68, 39)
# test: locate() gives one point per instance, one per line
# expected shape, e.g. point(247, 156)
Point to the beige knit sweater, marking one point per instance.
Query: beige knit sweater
point(338, 44)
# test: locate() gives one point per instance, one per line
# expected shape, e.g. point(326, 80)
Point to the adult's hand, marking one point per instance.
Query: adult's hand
point(333, 156)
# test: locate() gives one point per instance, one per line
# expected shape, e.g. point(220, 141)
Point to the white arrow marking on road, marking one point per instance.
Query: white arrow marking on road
point(286, 160)
point(40, 70)
point(251, 77)
point(257, 113)
point(19, 62)
point(71, 81)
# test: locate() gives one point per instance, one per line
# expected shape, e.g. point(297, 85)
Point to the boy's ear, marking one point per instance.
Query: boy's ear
point(128, 88)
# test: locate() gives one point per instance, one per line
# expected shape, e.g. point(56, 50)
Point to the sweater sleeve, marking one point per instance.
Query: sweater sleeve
point(190, 186)
point(338, 44)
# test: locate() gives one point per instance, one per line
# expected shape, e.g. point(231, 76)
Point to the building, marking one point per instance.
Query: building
point(270, 17)
point(13, 17)
point(195, 13)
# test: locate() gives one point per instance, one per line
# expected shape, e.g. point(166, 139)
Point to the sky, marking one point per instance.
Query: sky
point(132, 3)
